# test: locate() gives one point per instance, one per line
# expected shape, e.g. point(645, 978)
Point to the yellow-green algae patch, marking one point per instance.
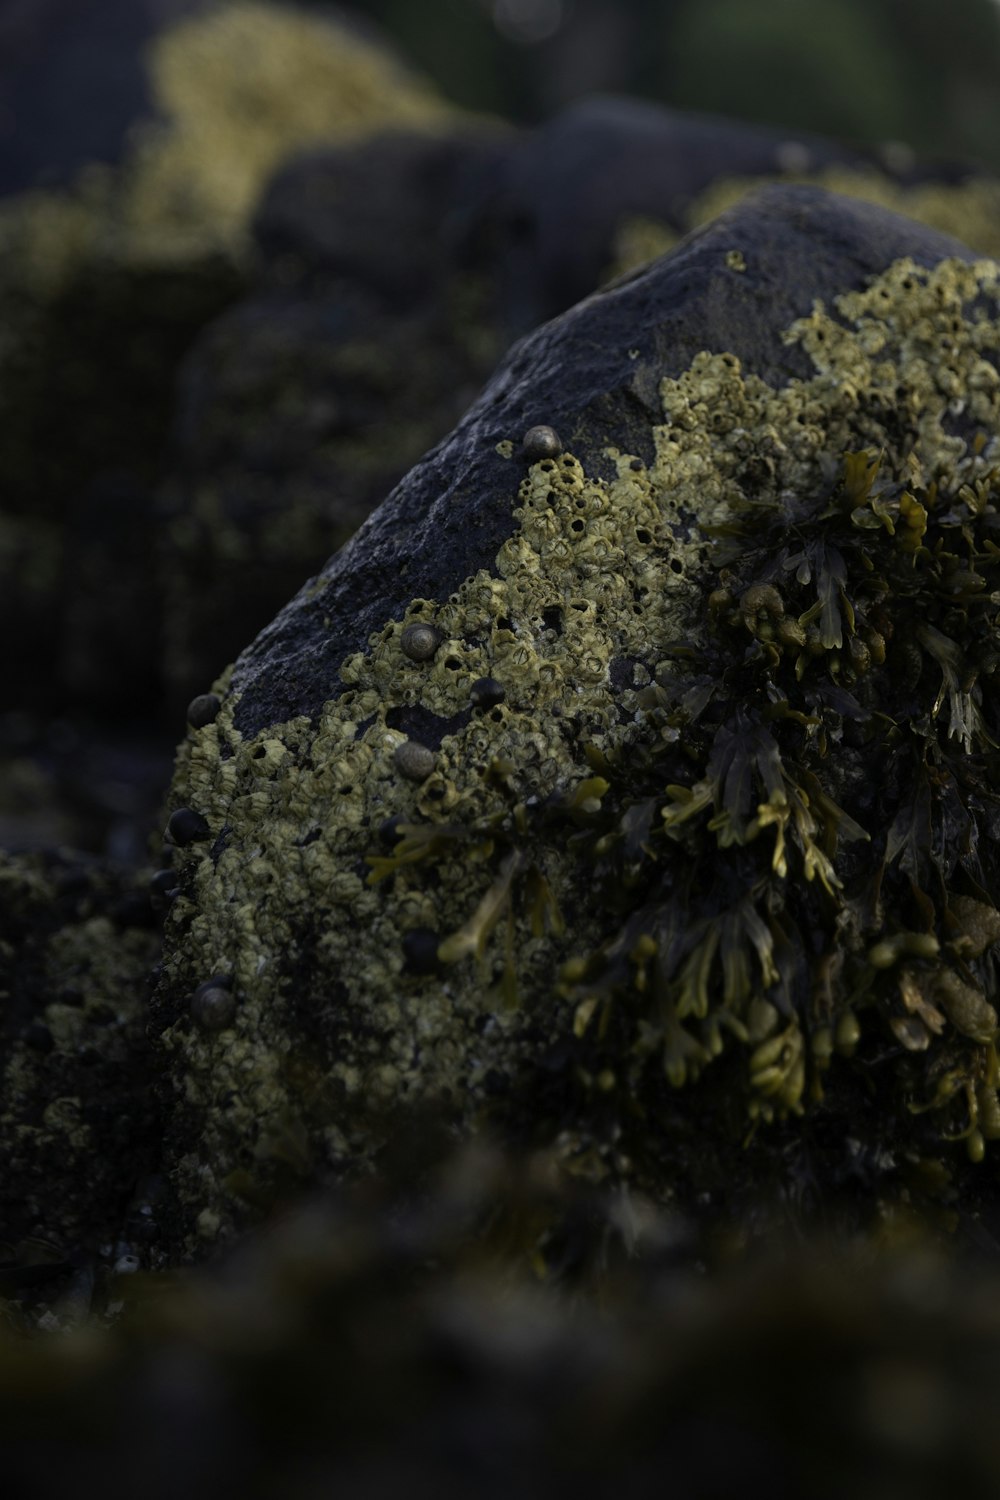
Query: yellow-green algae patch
point(600, 587)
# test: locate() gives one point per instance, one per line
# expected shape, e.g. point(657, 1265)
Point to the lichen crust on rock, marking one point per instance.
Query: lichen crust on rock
point(582, 880)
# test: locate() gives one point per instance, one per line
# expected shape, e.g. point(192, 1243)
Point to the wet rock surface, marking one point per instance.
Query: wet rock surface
point(388, 882)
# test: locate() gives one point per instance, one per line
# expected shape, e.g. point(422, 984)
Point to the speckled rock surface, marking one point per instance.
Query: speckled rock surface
point(598, 390)
point(402, 923)
point(77, 942)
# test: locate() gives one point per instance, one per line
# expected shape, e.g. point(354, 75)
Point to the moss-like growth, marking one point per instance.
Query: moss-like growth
point(706, 821)
point(242, 87)
point(235, 90)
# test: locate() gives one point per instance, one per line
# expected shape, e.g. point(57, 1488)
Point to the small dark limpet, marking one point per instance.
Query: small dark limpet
point(414, 760)
point(203, 710)
point(388, 830)
point(213, 1003)
point(541, 442)
point(420, 951)
point(419, 641)
point(185, 826)
point(163, 887)
point(487, 692)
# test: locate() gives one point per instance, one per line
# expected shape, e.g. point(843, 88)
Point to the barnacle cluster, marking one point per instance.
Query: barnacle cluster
point(737, 799)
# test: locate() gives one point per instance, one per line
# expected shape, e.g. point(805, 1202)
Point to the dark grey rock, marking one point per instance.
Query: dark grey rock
point(396, 214)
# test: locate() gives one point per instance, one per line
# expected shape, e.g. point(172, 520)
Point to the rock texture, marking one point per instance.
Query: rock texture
point(448, 880)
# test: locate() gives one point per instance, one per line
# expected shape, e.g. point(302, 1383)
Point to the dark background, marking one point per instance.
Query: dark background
point(923, 72)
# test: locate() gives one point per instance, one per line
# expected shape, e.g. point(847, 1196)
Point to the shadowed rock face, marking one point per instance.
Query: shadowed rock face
point(398, 214)
point(474, 872)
